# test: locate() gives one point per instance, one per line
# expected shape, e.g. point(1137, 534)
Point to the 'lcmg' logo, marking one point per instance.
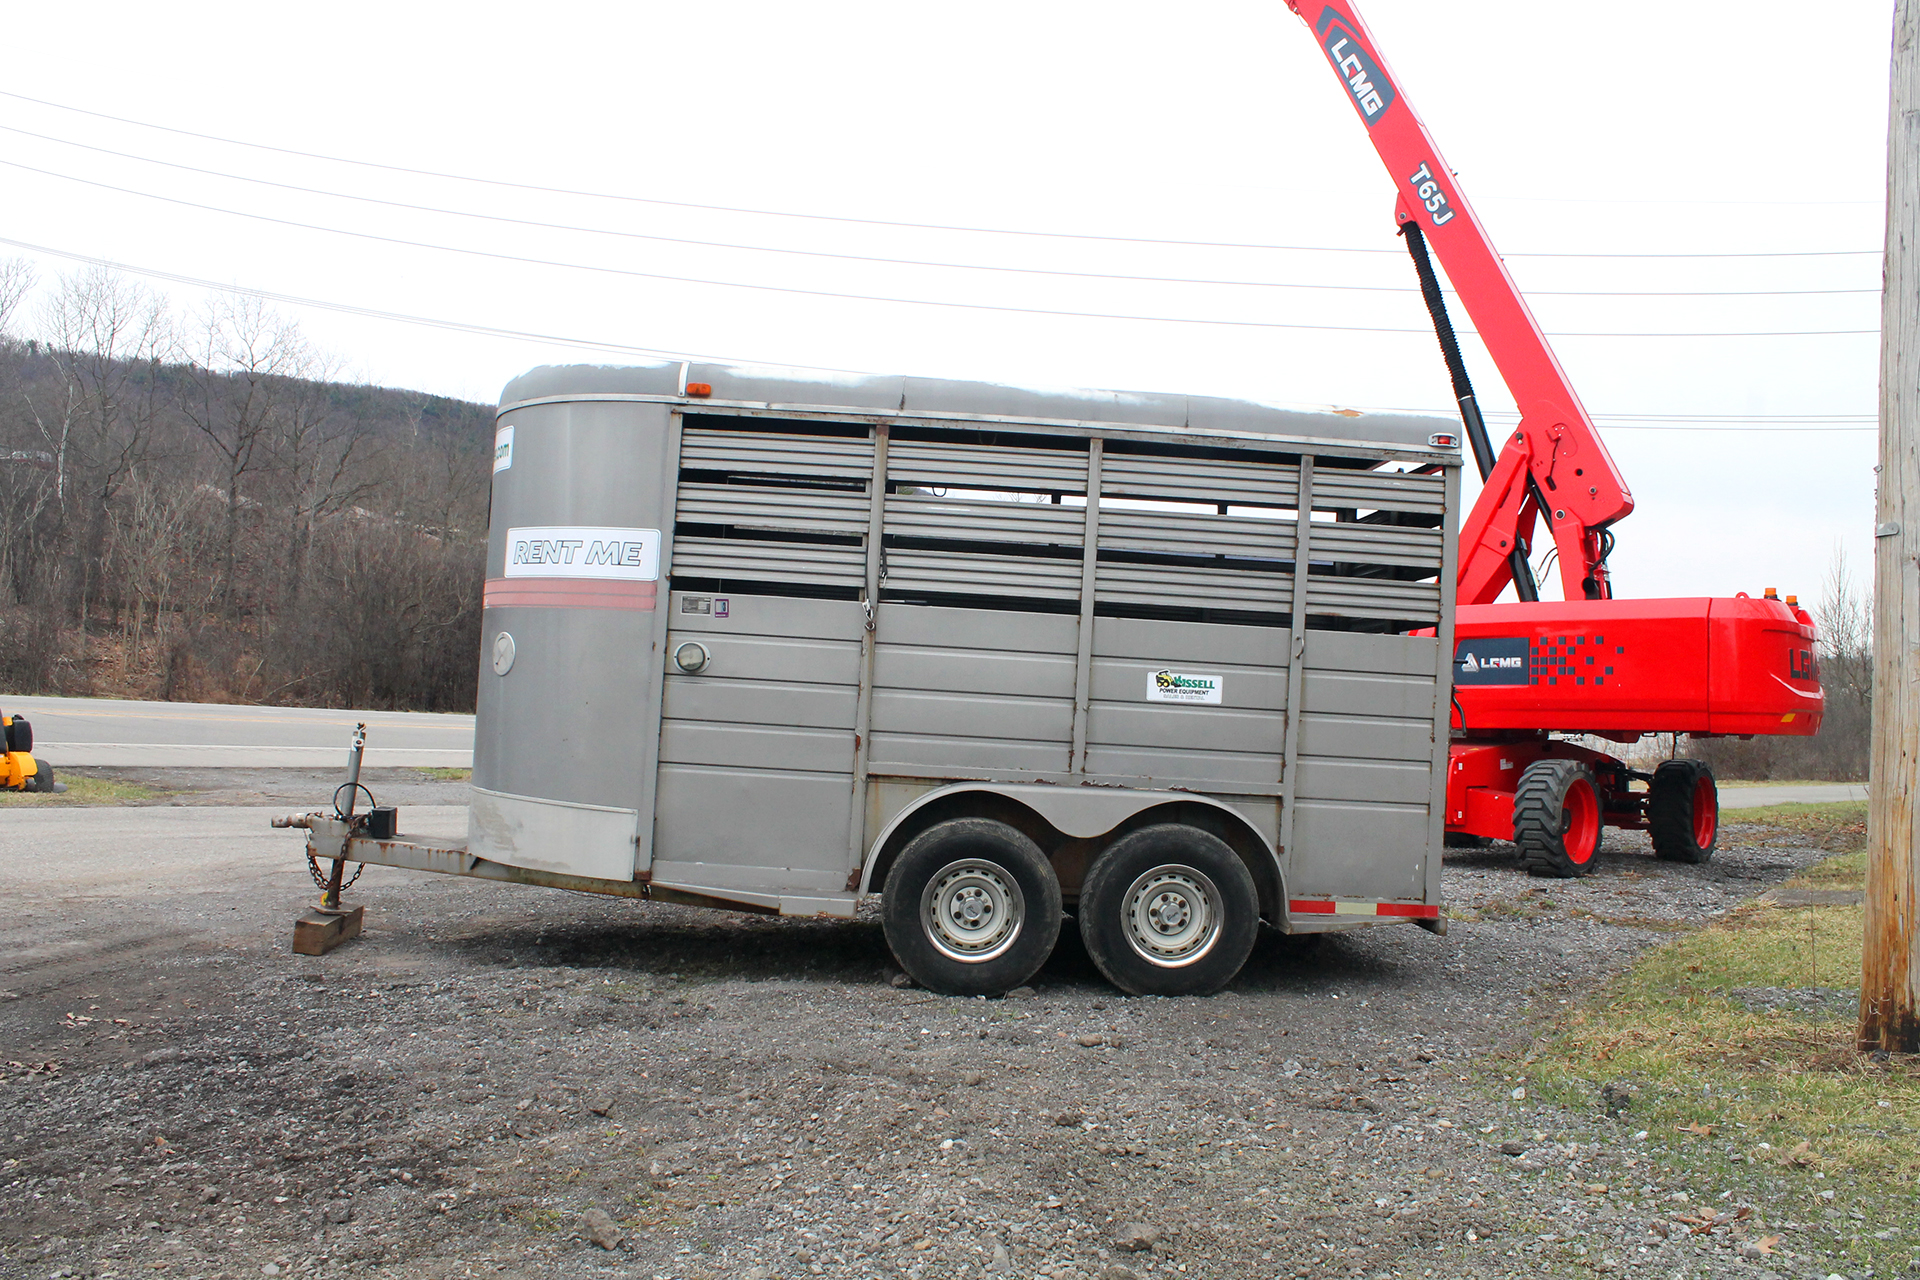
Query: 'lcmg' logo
point(1372, 91)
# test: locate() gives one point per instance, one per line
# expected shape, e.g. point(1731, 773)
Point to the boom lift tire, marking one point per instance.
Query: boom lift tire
point(971, 908)
point(1556, 818)
point(1683, 811)
point(1169, 910)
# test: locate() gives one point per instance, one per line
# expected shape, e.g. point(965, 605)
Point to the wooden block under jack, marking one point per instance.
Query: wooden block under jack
point(316, 932)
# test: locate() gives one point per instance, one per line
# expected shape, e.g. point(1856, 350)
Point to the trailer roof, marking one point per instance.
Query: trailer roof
point(771, 387)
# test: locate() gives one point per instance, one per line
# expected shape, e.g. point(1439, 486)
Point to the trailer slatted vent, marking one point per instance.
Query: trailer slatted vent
point(1382, 554)
point(966, 517)
point(782, 504)
point(1182, 530)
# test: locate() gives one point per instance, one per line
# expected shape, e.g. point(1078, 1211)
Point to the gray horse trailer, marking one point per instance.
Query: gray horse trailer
point(1166, 665)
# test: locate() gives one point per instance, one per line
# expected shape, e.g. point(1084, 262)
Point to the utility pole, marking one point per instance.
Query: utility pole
point(1890, 976)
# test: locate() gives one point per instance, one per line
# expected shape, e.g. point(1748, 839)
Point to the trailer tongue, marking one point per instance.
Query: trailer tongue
point(1588, 664)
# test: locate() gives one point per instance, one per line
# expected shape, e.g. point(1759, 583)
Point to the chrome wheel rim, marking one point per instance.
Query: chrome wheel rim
point(972, 911)
point(1172, 916)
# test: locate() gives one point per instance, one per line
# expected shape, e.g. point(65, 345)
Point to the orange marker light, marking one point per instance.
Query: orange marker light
point(699, 388)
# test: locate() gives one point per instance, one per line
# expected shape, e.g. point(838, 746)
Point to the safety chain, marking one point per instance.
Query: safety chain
point(313, 869)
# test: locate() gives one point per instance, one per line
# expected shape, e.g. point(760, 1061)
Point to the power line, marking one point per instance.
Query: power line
point(865, 222)
point(863, 297)
point(372, 313)
point(589, 344)
point(898, 262)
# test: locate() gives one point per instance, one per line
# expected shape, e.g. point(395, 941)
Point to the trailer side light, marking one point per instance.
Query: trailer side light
point(699, 388)
point(1443, 440)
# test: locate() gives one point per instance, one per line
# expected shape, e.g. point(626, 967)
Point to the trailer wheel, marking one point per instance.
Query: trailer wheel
point(1169, 910)
point(972, 908)
point(1683, 811)
point(1556, 818)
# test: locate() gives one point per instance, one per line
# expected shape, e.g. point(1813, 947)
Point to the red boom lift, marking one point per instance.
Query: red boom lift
point(1590, 664)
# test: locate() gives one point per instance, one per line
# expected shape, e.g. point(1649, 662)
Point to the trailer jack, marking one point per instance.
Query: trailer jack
point(328, 924)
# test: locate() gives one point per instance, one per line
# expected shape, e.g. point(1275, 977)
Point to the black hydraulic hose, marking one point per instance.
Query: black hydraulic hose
point(1476, 426)
point(1450, 349)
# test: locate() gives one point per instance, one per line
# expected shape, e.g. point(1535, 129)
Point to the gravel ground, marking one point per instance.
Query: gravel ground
point(499, 1080)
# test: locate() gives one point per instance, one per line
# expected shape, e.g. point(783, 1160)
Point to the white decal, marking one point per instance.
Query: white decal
point(632, 555)
point(503, 449)
point(1184, 686)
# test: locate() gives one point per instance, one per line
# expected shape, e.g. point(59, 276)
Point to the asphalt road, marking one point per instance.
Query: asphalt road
point(1791, 793)
point(108, 732)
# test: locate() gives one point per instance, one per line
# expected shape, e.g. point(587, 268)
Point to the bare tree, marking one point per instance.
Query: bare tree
point(323, 455)
point(16, 281)
point(108, 338)
point(1844, 617)
point(245, 361)
point(151, 529)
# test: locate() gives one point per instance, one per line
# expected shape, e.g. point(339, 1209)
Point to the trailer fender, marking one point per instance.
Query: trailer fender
point(1053, 815)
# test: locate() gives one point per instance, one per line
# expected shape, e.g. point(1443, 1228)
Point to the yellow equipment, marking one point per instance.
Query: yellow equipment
point(20, 770)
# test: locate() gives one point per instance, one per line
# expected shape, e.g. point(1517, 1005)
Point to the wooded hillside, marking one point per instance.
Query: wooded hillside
point(193, 507)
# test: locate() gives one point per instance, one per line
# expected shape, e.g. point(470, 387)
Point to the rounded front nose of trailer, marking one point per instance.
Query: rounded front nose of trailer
point(568, 707)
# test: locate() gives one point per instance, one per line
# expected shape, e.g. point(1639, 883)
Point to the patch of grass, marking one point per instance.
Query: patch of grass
point(1724, 783)
point(1758, 1098)
point(84, 791)
point(1840, 826)
point(1849, 871)
point(447, 775)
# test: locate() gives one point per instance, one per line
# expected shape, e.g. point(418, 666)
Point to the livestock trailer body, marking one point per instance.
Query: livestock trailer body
point(771, 641)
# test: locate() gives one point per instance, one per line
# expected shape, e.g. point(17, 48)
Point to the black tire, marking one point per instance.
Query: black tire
point(1212, 912)
point(42, 779)
point(1557, 819)
point(1683, 811)
point(971, 908)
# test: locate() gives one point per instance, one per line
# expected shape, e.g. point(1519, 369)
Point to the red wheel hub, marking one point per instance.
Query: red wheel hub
point(1580, 822)
point(1706, 811)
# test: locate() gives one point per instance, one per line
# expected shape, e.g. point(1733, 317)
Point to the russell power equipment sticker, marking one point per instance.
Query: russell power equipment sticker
point(631, 555)
point(1184, 686)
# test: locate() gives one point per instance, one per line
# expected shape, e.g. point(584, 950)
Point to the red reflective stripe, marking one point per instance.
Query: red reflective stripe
point(567, 593)
point(1321, 906)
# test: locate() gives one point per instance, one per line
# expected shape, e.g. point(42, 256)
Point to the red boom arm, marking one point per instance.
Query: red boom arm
point(1554, 465)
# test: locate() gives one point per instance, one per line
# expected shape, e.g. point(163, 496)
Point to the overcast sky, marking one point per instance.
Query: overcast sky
point(1612, 153)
